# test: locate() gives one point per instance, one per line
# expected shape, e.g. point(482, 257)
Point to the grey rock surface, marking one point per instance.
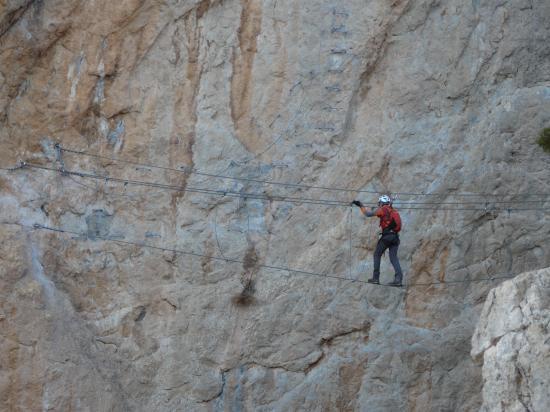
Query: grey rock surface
point(513, 339)
point(442, 97)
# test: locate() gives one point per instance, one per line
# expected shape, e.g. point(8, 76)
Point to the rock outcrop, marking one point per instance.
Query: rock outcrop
point(411, 96)
point(513, 338)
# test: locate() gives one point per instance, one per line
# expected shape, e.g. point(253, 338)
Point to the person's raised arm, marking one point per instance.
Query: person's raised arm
point(364, 210)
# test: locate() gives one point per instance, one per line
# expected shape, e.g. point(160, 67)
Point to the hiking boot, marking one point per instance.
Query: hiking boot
point(395, 283)
point(375, 281)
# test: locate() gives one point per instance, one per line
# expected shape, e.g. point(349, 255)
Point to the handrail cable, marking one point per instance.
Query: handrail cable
point(188, 171)
point(259, 196)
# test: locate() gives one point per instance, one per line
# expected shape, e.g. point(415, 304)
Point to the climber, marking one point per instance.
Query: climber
point(390, 223)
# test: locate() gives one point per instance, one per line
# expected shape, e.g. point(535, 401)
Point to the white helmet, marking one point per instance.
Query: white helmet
point(384, 199)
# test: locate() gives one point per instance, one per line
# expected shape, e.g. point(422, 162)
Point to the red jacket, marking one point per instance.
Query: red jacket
point(389, 218)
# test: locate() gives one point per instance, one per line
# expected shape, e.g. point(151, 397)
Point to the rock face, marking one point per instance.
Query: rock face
point(513, 338)
point(411, 96)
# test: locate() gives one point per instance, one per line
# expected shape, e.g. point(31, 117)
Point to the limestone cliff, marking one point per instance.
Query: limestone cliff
point(414, 96)
point(513, 339)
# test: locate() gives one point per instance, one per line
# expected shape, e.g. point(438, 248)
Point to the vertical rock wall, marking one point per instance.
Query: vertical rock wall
point(403, 96)
point(513, 340)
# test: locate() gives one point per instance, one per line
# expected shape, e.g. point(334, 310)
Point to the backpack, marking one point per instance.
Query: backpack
point(391, 219)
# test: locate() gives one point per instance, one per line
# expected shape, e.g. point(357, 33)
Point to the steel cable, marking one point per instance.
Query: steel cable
point(266, 197)
point(81, 235)
point(304, 186)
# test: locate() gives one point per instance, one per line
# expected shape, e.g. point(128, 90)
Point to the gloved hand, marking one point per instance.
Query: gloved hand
point(357, 203)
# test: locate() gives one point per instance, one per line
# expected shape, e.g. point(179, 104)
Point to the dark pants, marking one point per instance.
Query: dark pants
point(387, 241)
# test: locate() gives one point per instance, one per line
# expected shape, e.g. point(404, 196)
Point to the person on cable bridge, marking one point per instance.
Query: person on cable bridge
point(390, 223)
